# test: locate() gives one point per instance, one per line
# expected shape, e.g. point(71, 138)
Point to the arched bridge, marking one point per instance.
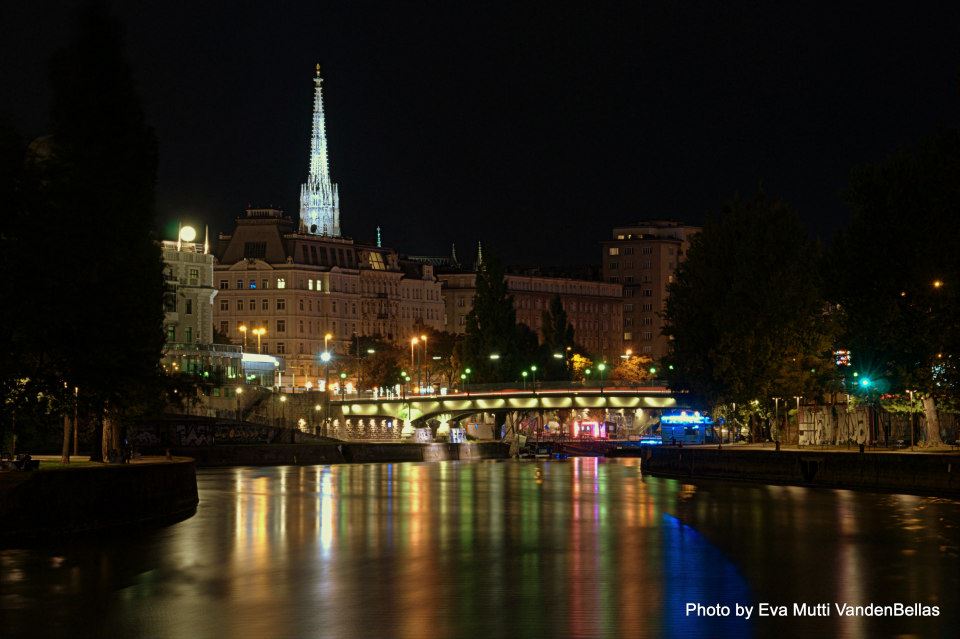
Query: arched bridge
point(421, 408)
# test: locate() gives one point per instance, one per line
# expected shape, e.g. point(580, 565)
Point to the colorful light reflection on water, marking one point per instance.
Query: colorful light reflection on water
point(578, 548)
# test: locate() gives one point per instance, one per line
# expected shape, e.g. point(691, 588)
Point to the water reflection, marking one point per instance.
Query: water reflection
point(578, 548)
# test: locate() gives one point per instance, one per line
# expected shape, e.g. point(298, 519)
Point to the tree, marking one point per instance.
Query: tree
point(491, 329)
point(895, 272)
point(744, 312)
point(101, 283)
point(634, 369)
point(557, 339)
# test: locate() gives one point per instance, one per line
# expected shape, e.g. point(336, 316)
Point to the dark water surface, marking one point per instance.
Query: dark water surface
point(580, 548)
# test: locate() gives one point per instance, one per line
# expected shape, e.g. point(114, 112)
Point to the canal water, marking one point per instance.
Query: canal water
point(577, 548)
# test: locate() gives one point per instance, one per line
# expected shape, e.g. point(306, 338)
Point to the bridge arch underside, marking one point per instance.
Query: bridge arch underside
point(420, 411)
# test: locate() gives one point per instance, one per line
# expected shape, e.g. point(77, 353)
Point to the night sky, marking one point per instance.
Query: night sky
point(533, 128)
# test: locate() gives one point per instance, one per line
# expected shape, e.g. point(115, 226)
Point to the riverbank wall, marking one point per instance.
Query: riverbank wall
point(340, 453)
point(920, 474)
point(74, 500)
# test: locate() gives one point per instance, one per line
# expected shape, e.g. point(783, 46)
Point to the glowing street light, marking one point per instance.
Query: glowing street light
point(494, 356)
point(937, 283)
point(243, 329)
point(259, 332)
point(601, 367)
point(283, 411)
point(326, 341)
point(238, 393)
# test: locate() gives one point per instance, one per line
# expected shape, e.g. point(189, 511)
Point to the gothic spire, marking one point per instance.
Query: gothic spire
point(319, 199)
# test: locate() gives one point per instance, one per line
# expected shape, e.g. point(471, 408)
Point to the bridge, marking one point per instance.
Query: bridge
point(419, 409)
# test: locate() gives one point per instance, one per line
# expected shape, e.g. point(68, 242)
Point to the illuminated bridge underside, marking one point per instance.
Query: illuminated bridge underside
point(425, 408)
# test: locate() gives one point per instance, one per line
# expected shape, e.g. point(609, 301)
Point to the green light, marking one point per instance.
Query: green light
point(524, 373)
point(343, 375)
point(468, 371)
point(653, 370)
point(463, 376)
point(856, 374)
point(587, 371)
point(533, 368)
point(670, 366)
point(601, 367)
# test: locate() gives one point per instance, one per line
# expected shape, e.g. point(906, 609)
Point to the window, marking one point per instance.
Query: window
point(254, 250)
point(310, 284)
point(281, 304)
point(281, 349)
point(188, 334)
point(648, 349)
point(253, 284)
point(281, 282)
point(318, 285)
point(239, 284)
point(628, 250)
point(334, 307)
point(171, 333)
point(264, 305)
point(189, 310)
point(300, 348)
point(224, 305)
point(647, 336)
point(647, 292)
point(614, 250)
point(264, 283)
point(301, 304)
point(614, 266)
point(301, 326)
point(628, 279)
point(645, 264)
point(646, 250)
point(628, 307)
point(627, 337)
point(646, 321)
point(281, 326)
point(225, 327)
point(647, 307)
point(224, 284)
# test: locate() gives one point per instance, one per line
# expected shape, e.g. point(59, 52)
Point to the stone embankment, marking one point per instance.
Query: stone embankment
point(915, 473)
point(64, 501)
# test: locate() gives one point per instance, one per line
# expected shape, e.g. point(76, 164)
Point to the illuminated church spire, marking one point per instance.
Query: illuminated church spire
point(319, 199)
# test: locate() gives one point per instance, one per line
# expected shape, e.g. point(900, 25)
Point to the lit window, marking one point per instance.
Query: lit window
point(614, 250)
point(627, 337)
point(318, 285)
point(310, 284)
point(253, 284)
point(281, 282)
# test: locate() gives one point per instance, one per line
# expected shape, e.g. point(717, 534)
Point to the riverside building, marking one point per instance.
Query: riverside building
point(643, 259)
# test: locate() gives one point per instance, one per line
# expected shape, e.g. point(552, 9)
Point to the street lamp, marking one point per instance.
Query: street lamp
point(326, 341)
point(912, 415)
point(283, 411)
point(238, 393)
point(798, 398)
point(259, 332)
point(325, 358)
point(533, 369)
point(601, 367)
point(494, 356)
point(343, 385)
point(424, 360)
point(316, 419)
point(243, 329)
point(524, 374)
point(776, 418)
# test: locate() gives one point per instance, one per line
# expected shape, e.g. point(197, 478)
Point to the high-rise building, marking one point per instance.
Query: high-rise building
point(319, 197)
point(643, 258)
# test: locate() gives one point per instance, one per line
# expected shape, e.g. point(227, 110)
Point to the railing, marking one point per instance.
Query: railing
point(206, 348)
point(592, 386)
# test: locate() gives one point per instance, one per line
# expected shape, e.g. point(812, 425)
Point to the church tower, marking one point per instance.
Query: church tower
point(319, 199)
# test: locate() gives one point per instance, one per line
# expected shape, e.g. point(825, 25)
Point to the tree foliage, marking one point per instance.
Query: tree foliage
point(744, 313)
point(557, 339)
point(90, 314)
point(491, 328)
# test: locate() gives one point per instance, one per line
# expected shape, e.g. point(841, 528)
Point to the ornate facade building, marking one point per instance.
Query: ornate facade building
point(300, 288)
point(643, 257)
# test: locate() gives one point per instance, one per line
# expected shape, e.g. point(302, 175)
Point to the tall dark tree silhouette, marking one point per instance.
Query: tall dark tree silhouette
point(745, 314)
point(895, 272)
point(101, 277)
point(557, 338)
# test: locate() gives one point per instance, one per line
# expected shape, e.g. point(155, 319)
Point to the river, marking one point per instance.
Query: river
point(580, 548)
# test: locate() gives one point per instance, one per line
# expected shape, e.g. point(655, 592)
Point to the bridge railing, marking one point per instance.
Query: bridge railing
point(480, 389)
